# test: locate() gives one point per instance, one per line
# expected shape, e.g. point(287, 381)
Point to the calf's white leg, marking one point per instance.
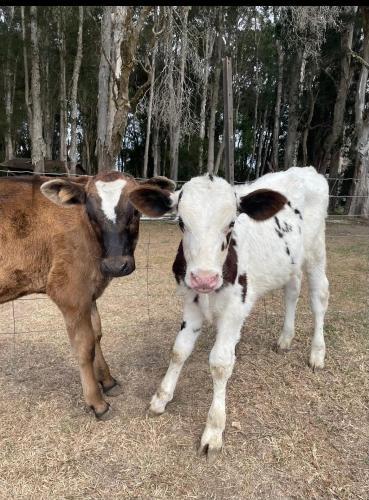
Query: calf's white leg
point(222, 358)
point(291, 296)
point(319, 294)
point(182, 348)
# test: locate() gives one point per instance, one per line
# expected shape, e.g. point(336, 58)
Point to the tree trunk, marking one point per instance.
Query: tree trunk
point(149, 111)
point(214, 96)
point(37, 141)
point(116, 65)
point(293, 109)
point(300, 92)
point(26, 76)
point(9, 94)
point(209, 44)
point(47, 106)
point(219, 157)
point(172, 94)
point(305, 134)
point(334, 138)
point(73, 100)
point(165, 157)
point(257, 90)
point(359, 203)
point(88, 154)
point(62, 89)
point(103, 98)
point(213, 111)
point(156, 150)
point(267, 145)
point(176, 133)
point(277, 111)
point(262, 137)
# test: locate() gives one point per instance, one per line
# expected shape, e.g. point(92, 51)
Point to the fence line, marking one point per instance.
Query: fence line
point(64, 174)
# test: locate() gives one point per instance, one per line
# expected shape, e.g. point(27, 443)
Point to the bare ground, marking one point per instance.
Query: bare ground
point(290, 434)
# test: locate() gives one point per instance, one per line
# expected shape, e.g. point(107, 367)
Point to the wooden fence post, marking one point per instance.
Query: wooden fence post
point(228, 119)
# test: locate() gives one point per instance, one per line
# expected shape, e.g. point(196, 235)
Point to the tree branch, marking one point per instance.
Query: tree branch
point(139, 93)
point(360, 59)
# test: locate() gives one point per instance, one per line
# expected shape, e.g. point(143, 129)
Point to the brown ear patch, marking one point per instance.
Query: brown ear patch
point(262, 204)
point(161, 182)
point(151, 200)
point(64, 193)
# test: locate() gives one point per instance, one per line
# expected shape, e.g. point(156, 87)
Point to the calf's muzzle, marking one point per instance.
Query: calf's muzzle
point(204, 281)
point(118, 266)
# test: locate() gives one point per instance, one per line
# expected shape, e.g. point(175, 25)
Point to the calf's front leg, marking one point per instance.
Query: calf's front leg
point(222, 358)
point(110, 386)
point(182, 348)
point(82, 337)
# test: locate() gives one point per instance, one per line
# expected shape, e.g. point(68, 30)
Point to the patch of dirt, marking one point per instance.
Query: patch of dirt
point(296, 434)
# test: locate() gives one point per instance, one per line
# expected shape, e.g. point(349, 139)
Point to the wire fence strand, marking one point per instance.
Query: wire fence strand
point(268, 312)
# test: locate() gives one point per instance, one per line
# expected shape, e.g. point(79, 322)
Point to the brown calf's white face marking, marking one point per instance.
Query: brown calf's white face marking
point(110, 193)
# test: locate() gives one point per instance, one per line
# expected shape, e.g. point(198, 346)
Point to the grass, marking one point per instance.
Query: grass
point(290, 434)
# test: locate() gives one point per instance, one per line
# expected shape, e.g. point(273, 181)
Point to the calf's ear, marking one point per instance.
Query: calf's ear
point(161, 182)
point(262, 204)
point(64, 193)
point(151, 200)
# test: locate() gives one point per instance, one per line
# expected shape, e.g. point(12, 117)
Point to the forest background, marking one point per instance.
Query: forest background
point(139, 89)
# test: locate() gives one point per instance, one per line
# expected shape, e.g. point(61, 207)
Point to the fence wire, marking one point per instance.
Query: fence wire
point(150, 270)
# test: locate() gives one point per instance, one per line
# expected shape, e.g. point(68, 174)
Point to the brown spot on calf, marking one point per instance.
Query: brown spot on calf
point(179, 265)
point(242, 280)
point(230, 266)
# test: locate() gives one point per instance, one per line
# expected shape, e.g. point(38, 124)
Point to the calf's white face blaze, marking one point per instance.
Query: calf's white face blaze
point(109, 193)
point(206, 208)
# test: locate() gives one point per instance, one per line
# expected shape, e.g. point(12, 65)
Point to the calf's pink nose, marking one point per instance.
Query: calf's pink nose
point(204, 279)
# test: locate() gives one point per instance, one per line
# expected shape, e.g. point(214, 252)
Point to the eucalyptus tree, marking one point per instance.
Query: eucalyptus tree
point(303, 30)
point(37, 139)
point(121, 27)
point(73, 94)
point(359, 193)
point(9, 76)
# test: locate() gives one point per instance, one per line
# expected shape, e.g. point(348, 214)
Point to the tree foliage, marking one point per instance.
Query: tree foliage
point(300, 89)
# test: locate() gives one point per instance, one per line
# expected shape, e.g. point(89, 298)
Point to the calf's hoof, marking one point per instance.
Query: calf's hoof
point(212, 454)
point(105, 415)
point(211, 444)
point(280, 350)
point(157, 405)
point(316, 361)
point(114, 390)
point(283, 344)
point(152, 413)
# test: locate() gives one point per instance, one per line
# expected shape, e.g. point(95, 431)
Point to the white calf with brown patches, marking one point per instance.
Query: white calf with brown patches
point(238, 244)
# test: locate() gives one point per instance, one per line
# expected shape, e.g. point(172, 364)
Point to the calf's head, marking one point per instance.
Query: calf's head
point(112, 215)
point(207, 207)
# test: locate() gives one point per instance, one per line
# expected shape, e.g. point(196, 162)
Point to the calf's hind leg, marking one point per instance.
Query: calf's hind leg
point(110, 386)
point(319, 295)
point(291, 296)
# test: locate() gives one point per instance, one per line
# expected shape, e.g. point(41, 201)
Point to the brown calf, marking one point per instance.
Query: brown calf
point(71, 255)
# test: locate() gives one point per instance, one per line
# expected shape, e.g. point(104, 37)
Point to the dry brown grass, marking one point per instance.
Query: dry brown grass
point(291, 433)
